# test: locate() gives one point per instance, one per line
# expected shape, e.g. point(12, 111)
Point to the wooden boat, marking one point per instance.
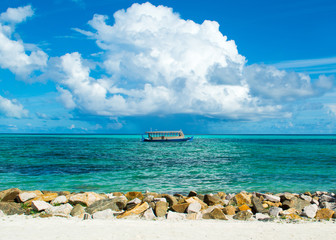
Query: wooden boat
point(166, 136)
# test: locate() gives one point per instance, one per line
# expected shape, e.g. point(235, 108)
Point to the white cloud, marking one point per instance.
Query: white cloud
point(16, 15)
point(161, 64)
point(12, 108)
point(14, 54)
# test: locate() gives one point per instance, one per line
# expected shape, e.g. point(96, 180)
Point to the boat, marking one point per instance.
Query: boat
point(166, 136)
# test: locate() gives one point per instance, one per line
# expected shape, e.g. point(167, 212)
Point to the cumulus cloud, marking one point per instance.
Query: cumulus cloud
point(14, 54)
point(12, 108)
point(159, 63)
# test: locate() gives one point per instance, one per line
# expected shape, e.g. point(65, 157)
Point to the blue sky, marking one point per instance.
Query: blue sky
point(81, 66)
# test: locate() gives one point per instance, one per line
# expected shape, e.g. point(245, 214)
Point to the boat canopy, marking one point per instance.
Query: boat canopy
point(165, 133)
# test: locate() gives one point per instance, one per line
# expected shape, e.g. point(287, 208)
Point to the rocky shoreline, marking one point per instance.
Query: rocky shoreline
point(288, 207)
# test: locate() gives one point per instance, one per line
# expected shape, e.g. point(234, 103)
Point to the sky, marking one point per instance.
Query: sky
point(206, 67)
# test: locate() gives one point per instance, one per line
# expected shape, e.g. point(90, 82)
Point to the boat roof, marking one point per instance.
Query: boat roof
point(164, 131)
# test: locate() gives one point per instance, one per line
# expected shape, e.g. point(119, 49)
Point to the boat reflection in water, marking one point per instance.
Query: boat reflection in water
point(166, 136)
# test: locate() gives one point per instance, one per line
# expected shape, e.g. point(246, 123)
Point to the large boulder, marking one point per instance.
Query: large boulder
point(40, 205)
point(196, 199)
point(181, 208)
point(275, 211)
point(272, 198)
point(131, 195)
point(135, 211)
point(61, 211)
point(217, 214)
point(324, 213)
point(243, 215)
point(9, 195)
point(115, 204)
point(229, 210)
point(11, 208)
point(296, 203)
point(310, 211)
point(194, 207)
point(133, 203)
point(170, 199)
point(257, 205)
point(86, 199)
point(161, 209)
point(78, 211)
point(212, 200)
point(243, 198)
point(25, 196)
point(59, 200)
point(149, 214)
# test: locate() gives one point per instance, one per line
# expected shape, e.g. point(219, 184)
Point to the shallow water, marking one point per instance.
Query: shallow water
point(209, 163)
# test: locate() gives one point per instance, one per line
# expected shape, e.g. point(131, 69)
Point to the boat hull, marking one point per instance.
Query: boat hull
point(168, 140)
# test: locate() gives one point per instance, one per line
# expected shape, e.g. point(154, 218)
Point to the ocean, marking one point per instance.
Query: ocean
point(208, 164)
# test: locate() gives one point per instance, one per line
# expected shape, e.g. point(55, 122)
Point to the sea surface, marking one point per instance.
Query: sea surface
point(209, 163)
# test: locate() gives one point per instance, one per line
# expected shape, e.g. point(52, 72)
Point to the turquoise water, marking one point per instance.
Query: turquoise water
point(209, 163)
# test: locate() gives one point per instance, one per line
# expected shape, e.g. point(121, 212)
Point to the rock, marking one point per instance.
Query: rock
point(196, 199)
point(221, 195)
point(194, 207)
point(310, 211)
point(257, 205)
point(324, 213)
point(273, 204)
point(244, 208)
point(305, 197)
point(132, 195)
point(192, 194)
point(25, 196)
point(329, 205)
point(135, 211)
point(105, 214)
point(265, 205)
point(327, 198)
point(149, 214)
point(40, 205)
point(212, 200)
point(293, 216)
point(78, 211)
point(229, 210)
point(117, 194)
point(286, 196)
point(296, 203)
point(47, 197)
point(315, 201)
point(229, 196)
point(290, 211)
point(271, 198)
point(115, 204)
point(171, 200)
point(217, 214)
point(242, 198)
point(59, 200)
point(63, 193)
point(133, 203)
point(149, 198)
point(9, 195)
point(181, 208)
point(11, 208)
point(61, 211)
point(243, 215)
point(1, 213)
point(262, 217)
point(161, 209)
point(176, 216)
point(275, 211)
point(87, 198)
point(159, 200)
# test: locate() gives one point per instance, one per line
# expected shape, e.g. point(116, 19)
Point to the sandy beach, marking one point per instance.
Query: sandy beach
point(27, 227)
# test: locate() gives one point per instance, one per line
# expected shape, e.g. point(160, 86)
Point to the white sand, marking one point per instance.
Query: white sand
point(22, 227)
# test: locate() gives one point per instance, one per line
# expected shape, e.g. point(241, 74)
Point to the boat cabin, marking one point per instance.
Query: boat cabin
point(165, 135)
